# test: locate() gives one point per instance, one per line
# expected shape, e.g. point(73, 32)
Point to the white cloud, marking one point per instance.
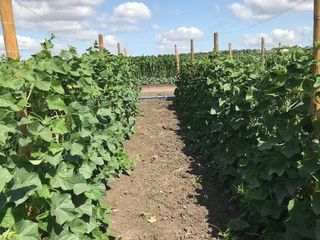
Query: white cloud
point(180, 36)
point(126, 17)
point(284, 36)
point(124, 28)
point(263, 9)
point(68, 19)
point(131, 12)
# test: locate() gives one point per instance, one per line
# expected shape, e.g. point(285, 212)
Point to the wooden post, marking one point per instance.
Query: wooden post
point(177, 59)
point(9, 29)
point(119, 49)
point(262, 51)
point(216, 42)
point(230, 50)
point(192, 49)
point(125, 51)
point(316, 50)
point(101, 43)
point(12, 51)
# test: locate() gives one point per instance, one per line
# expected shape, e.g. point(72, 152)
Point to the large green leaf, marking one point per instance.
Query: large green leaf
point(24, 184)
point(64, 177)
point(42, 85)
point(5, 177)
point(290, 148)
point(62, 208)
point(6, 218)
point(4, 131)
point(55, 103)
point(26, 230)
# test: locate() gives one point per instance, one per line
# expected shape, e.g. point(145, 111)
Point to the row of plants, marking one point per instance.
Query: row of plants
point(253, 126)
point(155, 69)
point(80, 110)
point(161, 69)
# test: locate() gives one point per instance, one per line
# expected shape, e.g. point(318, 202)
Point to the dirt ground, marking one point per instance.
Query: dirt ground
point(169, 195)
point(157, 90)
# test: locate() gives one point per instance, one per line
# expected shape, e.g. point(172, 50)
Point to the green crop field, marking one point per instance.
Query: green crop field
point(80, 111)
point(205, 141)
point(253, 126)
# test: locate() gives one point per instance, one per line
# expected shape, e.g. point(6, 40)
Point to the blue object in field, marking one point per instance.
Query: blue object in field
point(157, 97)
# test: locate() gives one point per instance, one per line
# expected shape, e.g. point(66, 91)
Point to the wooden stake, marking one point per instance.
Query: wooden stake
point(262, 51)
point(316, 50)
point(119, 49)
point(230, 50)
point(192, 49)
point(125, 52)
point(216, 42)
point(177, 59)
point(9, 29)
point(12, 51)
point(101, 43)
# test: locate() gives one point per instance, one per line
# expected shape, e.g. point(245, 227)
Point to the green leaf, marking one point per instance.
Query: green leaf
point(59, 126)
point(7, 220)
point(86, 171)
point(64, 177)
point(46, 134)
point(104, 112)
point(42, 85)
point(286, 134)
point(55, 148)
point(76, 149)
point(78, 226)
point(24, 184)
point(8, 101)
point(12, 82)
point(56, 86)
point(80, 188)
point(55, 103)
point(44, 192)
point(85, 208)
point(317, 83)
point(65, 235)
point(4, 131)
point(5, 177)
point(62, 208)
point(26, 230)
point(290, 148)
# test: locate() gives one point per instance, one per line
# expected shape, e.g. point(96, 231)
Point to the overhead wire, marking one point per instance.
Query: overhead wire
point(43, 18)
point(205, 38)
point(199, 39)
point(266, 20)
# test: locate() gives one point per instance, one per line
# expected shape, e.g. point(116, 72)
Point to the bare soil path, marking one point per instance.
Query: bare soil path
point(157, 90)
point(168, 196)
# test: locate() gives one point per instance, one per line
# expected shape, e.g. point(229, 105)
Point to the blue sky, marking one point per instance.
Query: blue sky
point(153, 27)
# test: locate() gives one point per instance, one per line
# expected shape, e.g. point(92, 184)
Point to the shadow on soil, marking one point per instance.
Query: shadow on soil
point(210, 192)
